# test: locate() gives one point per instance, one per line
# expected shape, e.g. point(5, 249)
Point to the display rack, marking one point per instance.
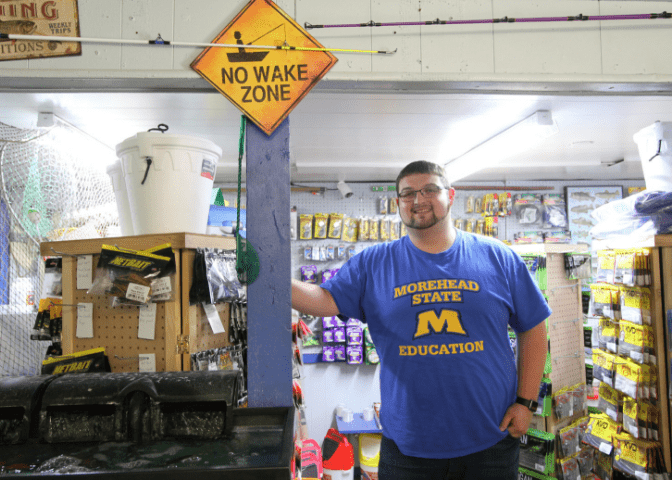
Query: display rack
point(181, 329)
point(661, 320)
point(565, 326)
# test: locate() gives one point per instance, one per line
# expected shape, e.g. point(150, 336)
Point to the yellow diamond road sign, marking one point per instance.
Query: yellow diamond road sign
point(265, 85)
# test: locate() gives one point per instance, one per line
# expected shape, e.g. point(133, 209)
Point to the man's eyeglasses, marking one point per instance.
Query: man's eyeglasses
point(430, 191)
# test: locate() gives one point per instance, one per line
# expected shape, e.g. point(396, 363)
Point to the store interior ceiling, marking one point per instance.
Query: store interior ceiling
point(365, 136)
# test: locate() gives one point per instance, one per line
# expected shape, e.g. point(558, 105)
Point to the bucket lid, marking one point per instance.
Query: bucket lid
point(146, 140)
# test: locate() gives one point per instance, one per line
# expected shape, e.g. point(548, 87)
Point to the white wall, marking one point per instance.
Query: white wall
point(591, 51)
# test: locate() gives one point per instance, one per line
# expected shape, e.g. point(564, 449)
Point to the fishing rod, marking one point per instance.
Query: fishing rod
point(161, 41)
point(578, 18)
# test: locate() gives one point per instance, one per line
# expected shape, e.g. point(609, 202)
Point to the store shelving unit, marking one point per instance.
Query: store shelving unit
point(181, 329)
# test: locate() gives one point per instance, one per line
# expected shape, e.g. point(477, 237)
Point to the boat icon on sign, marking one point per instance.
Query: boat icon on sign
point(243, 56)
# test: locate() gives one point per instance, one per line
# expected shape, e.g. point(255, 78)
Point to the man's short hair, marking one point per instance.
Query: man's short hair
point(423, 166)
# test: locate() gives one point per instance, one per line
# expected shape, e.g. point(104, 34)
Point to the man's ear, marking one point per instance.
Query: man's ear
point(451, 195)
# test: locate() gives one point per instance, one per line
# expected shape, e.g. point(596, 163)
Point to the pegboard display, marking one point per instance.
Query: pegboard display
point(565, 325)
point(180, 330)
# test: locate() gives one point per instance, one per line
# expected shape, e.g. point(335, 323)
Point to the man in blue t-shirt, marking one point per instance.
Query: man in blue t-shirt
point(438, 302)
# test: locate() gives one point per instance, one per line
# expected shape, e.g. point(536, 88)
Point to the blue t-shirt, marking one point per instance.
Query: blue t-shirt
point(439, 323)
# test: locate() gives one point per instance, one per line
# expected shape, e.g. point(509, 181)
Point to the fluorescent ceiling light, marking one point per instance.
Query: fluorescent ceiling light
point(520, 137)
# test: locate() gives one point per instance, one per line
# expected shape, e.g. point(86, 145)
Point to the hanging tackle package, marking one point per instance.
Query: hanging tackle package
point(127, 274)
point(223, 283)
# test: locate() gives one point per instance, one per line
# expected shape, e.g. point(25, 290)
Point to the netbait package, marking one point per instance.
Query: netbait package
point(629, 378)
point(52, 285)
point(469, 205)
point(537, 451)
point(605, 301)
point(636, 305)
point(579, 397)
point(85, 361)
point(606, 262)
point(49, 320)
point(223, 282)
point(569, 441)
point(603, 366)
point(607, 338)
point(631, 456)
point(403, 230)
point(163, 285)
point(600, 430)
point(625, 272)
point(570, 468)
point(305, 226)
point(631, 415)
point(563, 403)
point(632, 341)
point(585, 458)
point(350, 226)
point(335, 225)
point(555, 211)
point(320, 225)
point(610, 402)
point(199, 291)
point(127, 274)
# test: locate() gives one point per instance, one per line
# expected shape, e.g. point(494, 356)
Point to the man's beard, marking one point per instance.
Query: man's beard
point(425, 223)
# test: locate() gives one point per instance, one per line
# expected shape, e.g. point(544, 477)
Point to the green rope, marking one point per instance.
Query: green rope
point(241, 149)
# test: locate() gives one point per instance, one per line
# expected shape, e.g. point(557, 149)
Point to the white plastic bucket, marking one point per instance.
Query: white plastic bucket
point(657, 166)
point(338, 474)
point(369, 455)
point(123, 207)
point(369, 473)
point(175, 195)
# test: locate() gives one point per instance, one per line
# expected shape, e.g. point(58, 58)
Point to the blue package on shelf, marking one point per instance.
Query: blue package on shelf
point(220, 216)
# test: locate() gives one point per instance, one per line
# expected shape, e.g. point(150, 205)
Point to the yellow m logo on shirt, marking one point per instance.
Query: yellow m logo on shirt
point(448, 322)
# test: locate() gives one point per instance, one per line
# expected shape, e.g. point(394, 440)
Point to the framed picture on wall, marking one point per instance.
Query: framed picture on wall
point(581, 201)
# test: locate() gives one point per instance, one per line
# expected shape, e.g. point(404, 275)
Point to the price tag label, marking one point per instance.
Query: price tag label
point(84, 320)
point(147, 362)
point(213, 317)
point(84, 272)
point(161, 286)
point(138, 293)
point(147, 321)
point(606, 448)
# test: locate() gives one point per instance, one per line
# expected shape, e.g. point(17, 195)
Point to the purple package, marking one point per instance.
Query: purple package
point(328, 354)
point(326, 275)
point(309, 273)
point(353, 322)
point(339, 322)
point(355, 335)
point(339, 353)
point(329, 322)
point(328, 335)
point(339, 335)
point(355, 355)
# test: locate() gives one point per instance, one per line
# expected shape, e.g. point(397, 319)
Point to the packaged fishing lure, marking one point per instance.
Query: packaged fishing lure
point(599, 431)
point(223, 282)
point(350, 226)
point(320, 225)
point(335, 225)
point(126, 273)
point(305, 226)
